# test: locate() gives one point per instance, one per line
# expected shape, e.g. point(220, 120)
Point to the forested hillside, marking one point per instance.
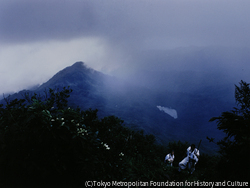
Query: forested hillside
point(138, 105)
point(46, 142)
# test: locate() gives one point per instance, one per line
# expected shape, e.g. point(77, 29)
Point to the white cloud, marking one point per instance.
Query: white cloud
point(24, 65)
point(169, 111)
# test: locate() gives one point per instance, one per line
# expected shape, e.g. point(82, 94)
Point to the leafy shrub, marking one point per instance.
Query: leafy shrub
point(44, 140)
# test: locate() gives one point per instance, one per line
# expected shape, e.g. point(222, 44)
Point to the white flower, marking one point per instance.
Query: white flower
point(52, 120)
point(121, 154)
point(62, 119)
point(106, 146)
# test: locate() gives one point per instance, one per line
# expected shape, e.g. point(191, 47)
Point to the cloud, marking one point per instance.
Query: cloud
point(145, 22)
point(29, 21)
point(169, 111)
point(24, 65)
point(111, 36)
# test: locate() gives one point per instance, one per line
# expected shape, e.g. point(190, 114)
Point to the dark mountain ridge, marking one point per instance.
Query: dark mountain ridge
point(137, 105)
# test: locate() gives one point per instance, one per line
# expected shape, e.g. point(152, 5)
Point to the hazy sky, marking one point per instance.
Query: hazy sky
point(40, 37)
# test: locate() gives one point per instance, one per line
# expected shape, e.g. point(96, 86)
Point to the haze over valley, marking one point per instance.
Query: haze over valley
point(164, 66)
point(170, 115)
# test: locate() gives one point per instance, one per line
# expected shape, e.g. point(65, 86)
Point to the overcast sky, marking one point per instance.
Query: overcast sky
point(40, 37)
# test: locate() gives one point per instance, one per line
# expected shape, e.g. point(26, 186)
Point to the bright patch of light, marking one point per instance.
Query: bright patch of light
point(169, 111)
point(27, 64)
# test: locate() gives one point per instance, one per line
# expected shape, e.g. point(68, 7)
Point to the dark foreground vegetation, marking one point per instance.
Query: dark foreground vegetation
point(45, 143)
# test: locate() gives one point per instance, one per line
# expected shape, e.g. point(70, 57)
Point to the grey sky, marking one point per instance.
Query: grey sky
point(39, 38)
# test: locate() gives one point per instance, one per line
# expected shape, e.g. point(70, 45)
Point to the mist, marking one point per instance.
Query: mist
point(133, 40)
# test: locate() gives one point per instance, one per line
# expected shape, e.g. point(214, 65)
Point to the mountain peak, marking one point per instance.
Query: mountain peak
point(73, 75)
point(78, 64)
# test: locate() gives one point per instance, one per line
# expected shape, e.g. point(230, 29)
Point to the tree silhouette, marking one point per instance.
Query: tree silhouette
point(234, 148)
point(45, 142)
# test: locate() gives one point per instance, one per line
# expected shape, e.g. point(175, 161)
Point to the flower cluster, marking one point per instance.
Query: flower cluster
point(121, 154)
point(106, 146)
point(82, 131)
point(57, 119)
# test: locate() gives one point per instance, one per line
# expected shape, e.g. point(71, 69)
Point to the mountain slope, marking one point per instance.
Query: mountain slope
point(137, 105)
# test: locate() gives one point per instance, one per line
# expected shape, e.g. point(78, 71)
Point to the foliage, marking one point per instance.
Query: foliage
point(205, 170)
point(234, 163)
point(180, 150)
point(45, 142)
